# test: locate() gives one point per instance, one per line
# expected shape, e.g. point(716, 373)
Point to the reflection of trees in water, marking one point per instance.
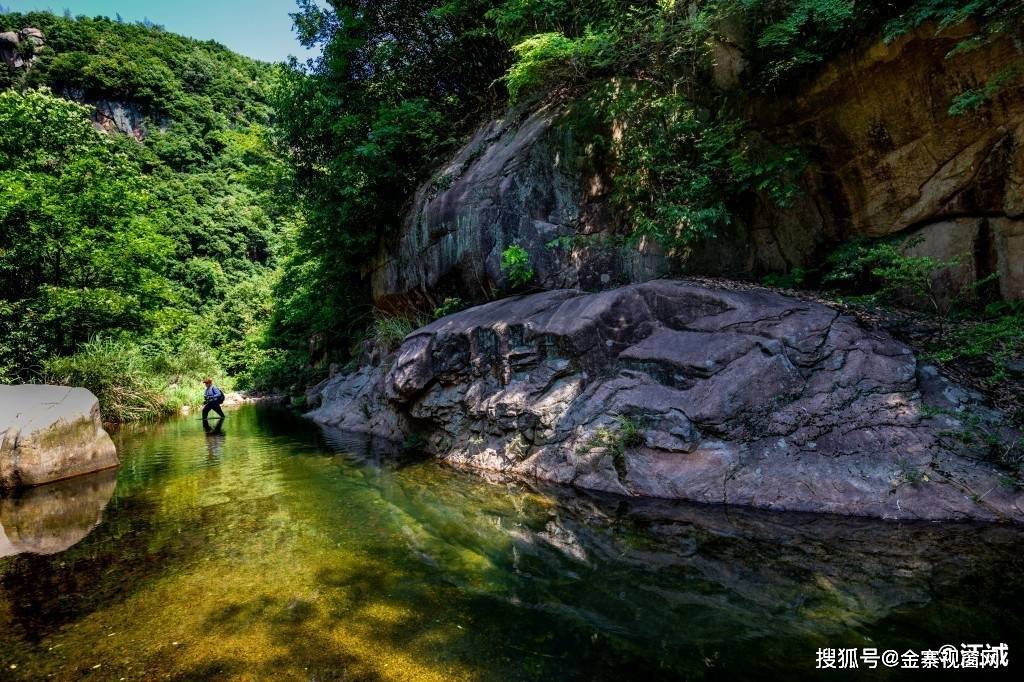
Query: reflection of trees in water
point(338, 563)
point(133, 546)
point(44, 594)
point(692, 578)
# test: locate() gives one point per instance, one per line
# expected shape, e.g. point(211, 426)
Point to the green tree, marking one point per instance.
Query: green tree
point(397, 86)
point(81, 248)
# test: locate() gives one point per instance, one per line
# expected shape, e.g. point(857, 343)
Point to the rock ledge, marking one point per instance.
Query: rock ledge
point(675, 389)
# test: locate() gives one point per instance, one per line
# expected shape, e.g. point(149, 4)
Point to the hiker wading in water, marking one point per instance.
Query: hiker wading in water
point(213, 397)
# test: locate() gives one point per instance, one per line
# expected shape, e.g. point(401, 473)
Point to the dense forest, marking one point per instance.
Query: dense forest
point(229, 229)
point(140, 216)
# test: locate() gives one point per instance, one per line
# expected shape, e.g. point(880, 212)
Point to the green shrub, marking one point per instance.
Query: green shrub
point(616, 439)
point(992, 19)
point(276, 369)
point(973, 99)
point(623, 434)
point(997, 338)
point(678, 170)
point(134, 382)
point(515, 264)
point(448, 307)
point(388, 331)
point(548, 58)
point(788, 280)
point(882, 272)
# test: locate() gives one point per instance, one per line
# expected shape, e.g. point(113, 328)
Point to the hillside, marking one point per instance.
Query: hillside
point(440, 156)
point(140, 216)
point(869, 149)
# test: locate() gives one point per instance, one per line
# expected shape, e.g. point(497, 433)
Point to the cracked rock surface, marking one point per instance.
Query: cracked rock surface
point(674, 389)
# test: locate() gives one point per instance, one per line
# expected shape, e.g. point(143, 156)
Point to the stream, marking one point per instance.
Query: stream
point(271, 549)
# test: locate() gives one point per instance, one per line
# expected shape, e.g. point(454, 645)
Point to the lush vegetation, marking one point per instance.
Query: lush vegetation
point(967, 327)
point(133, 261)
point(233, 218)
point(402, 81)
point(515, 263)
point(397, 86)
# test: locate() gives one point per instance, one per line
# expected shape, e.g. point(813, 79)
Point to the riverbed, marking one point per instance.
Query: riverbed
point(270, 549)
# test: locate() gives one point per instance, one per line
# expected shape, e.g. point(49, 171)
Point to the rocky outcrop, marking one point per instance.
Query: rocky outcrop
point(17, 48)
point(681, 390)
point(18, 51)
point(124, 117)
point(49, 433)
point(522, 179)
point(885, 158)
point(888, 158)
point(116, 116)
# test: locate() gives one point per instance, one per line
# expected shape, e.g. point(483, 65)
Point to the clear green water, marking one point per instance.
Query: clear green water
point(273, 551)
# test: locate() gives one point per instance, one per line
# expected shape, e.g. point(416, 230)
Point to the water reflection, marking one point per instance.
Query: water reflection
point(214, 440)
point(51, 518)
point(301, 554)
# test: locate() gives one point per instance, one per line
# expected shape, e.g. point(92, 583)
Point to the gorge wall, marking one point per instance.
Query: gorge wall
point(687, 390)
point(885, 157)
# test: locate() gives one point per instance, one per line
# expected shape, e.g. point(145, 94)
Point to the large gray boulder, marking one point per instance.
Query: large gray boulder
point(48, 433)
point(15, 45)
point(678, 389)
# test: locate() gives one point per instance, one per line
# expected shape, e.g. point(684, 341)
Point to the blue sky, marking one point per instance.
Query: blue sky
point(257, 28)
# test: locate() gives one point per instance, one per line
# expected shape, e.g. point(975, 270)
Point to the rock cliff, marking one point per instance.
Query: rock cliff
point(677, 389)
point(18, 50)
point(885, 157)
point(49, 433)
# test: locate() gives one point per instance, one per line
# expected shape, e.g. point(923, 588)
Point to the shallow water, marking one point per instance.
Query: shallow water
point(275, 551)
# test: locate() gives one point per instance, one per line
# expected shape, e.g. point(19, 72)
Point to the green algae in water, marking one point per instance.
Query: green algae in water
point(271, 550)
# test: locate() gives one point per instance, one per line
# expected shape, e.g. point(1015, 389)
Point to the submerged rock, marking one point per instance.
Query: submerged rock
point(674, 389)
point(48, 433)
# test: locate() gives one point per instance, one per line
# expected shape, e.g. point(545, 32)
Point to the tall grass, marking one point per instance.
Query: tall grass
point(133, 381)
point(388, 331)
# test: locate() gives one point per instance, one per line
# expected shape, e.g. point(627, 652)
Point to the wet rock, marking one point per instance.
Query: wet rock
point(678, 390)
point(48, 433)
